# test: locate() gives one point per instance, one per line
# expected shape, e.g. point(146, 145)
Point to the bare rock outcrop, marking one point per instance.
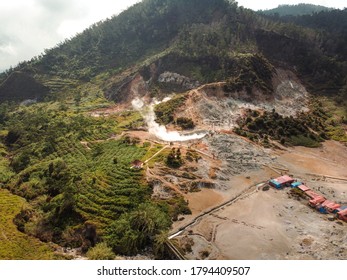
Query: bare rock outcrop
point(178, 80)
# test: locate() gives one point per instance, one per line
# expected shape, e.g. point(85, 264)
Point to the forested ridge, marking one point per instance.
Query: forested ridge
point(295, 10)
point(78, 184)
point(206, 35)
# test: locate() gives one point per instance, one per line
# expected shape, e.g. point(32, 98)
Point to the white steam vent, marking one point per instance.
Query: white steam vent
point(158, 130)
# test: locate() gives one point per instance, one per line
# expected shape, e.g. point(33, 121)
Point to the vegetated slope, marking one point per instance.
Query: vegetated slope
point(76, 192)
point(295, 10)
point(75, 169)
point(144, 29)
point(330, 29)
point(197, 39)
point(321, 64)
point(14, 244)
point(75, 172)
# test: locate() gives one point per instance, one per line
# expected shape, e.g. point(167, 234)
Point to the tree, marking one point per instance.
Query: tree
point(58, 176)
point(159, 244)
point(135, 230)
point(174, 159)
point(12, 136)
point(20, 162)
point(77, 98)
point(185, 123)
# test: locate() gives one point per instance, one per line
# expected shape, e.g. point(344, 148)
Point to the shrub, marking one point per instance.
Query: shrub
point(165, 111)
point(302, 140)
point(174, 159)
point(12, 136)
point(20, 162)
point(101, 252)
point(185, 123)
point(135, 230)
point(204, 254)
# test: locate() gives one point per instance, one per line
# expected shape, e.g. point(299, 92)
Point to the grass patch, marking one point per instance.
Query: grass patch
point(15, 245)
point(5, 171)
point(152, 151)
point(301, 140)
point(337, 122)
point(128, 120)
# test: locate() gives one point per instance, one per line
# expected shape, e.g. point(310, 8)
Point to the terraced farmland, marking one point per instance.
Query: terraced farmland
point(75, 172)
point(111, 187)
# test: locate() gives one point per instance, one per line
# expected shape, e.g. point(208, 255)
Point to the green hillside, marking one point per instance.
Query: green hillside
point(200, 39)
point(15, 245)
point(74, 169)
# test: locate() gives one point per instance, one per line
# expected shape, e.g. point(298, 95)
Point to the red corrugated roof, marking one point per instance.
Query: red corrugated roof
point(330, 205)
point(317, 199)
point(304, 188)
point(284, 179)
point(334, 206)
point(312, 194)
point(343, 212)
point(327, 203)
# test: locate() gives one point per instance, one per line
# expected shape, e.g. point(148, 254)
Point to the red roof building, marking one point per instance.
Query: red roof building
point(342, 215)
point(284, 179)
point(137, 164)
point(311, 194)
point(314, 202)
point(281, 181)
point(330, 206)
point(303, 188)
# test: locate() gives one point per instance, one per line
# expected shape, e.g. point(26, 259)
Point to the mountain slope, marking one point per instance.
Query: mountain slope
point(198, 39)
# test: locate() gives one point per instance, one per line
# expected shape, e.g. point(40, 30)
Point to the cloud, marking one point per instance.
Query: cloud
point(55, 6)
point(7, 49)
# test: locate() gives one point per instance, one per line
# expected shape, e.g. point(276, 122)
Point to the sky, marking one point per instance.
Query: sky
point(27, 27)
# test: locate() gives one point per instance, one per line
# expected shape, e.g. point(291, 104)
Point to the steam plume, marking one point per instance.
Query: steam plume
point(158, 130)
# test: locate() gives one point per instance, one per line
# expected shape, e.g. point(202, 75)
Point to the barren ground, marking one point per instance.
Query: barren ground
point(259, 224)
point(270, 224)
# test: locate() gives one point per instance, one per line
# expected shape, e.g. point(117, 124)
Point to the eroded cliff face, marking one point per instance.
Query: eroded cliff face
point(153, 78)
point(210, 105)
point(177, 80)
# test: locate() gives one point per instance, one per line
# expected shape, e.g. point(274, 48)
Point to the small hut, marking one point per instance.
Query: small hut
point(281, 182)
point(136, 164)
point(329, 206)
point(314, 202)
